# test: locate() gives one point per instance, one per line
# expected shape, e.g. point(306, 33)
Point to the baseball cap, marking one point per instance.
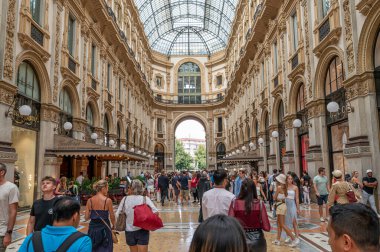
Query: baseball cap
point(369, 170)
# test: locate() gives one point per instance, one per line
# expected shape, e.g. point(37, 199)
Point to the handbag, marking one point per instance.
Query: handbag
point(351, 194)
point(122, 218)
point(145, 218)
point(113, 232)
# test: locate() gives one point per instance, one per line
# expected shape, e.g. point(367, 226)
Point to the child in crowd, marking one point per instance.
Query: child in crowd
point(306, 193)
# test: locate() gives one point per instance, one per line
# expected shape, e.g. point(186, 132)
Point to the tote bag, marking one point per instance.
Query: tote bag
point(145, 218)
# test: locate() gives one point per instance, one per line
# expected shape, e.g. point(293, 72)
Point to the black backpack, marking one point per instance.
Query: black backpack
point(66, 244)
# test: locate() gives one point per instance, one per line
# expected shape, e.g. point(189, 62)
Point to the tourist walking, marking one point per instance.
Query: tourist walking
point(281, 209)
point(193, 186)
point(239, 180)
point(41, 214)
point(137, 239)
point(9, 197)
point(163, 185)
point(217, 200)
point(63, 235)
point(322, 188)
point(73, 191)
point(338, 192)
point(150, 186)
point(219, 233)
point(176, 187)
point(369, 185)
point(306, 192)
point(183, 184)
point(203, 186)
point(263, 180)
point(292, 207)
point(61, 187)
point(355, 181)
point(259, 189)
point(250, 211)
point(99, 209)
point(80, 178)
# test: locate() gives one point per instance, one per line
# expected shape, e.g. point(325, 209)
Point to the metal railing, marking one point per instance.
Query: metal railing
point(202, 101)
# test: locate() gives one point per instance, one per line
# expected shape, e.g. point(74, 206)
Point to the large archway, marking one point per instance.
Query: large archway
point(190, 148)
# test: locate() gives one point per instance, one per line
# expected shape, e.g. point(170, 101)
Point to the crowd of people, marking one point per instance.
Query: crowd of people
point(234, 204)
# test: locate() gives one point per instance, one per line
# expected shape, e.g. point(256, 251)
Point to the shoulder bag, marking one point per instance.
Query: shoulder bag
point(351, 194)
point(255, 237)
point(122, 218)
point(36, 240)
point(145, 218)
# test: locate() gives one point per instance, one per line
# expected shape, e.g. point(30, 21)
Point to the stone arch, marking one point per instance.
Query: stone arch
point(43, 77)
point(253, 127)
point(122, 128)
point(128, 135)
point(294, 89)
point(264, 114)
point(276, 106)
point(95, 111)
point(75, 102)
point(247, 132)
point(367, 39)
point(175, 71)
point(189, 115)
point(111, 126)
point(320, 74)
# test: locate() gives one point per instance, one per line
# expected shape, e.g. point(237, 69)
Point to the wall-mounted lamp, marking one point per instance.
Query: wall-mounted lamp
point(333, 107)
point(243, 148)
point(123, 147)
point(210, 158)
point(233, 153)
point(132, 149)
point(144, 154)
point(297, 123)
point(237, 151)
point(275, 134)
point(111, 142)
point(252, 146)
point(67, 126)
point(139, 152)
point(94, 136)
point(261, 141)
point(24, 110)
point(170, 159)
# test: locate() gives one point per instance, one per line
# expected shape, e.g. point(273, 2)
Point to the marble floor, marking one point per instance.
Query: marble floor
point(180, 223)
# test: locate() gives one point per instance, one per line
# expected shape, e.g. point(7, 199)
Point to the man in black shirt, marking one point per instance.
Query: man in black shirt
point(163, 185)
point(369, 185)
point(41, 214)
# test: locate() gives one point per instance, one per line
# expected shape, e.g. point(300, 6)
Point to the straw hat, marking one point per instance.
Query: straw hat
point(337, 173)
point(281, 179)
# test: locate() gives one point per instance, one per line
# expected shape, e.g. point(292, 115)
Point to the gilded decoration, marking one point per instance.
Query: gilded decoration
point(308, 83)
point(7, 93)
point(56, 51)
point(9, 42)
point(49, 113)
point(348, 31)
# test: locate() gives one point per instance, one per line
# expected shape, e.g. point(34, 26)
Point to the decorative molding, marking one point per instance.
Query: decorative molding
point(309, 84)
point(348, 37)
point(7, 93)
point(9, 42)
point(56, 53)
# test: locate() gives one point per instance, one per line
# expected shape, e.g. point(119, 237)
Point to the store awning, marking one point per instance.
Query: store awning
point(67, 146)
point(241, 158)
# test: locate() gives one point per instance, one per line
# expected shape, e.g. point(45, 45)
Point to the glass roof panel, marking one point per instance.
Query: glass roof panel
point(187, 27)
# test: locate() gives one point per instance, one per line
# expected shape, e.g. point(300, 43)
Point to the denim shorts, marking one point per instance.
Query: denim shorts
point(139, 237)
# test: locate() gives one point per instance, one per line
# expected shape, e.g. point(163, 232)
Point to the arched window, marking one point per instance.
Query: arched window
point(90, 124)
point(189, 84)
point(301, 98)
point(127, 138)
point(377, 53)
point(36, 9)
point(325, 7)
point(118, 135)
point(65, 102)
point(220, 150)
point(334, 76)
point(27, 82)
point(89, 115)
point(106, 130)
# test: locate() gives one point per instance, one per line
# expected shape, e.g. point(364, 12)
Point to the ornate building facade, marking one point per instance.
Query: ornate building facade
point(105, 97)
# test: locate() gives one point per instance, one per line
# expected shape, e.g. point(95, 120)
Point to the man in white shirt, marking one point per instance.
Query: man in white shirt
point(80, 178)
point(9, 196)
point(217, 200)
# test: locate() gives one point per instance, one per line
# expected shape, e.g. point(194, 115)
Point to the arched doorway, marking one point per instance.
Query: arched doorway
point(376, 62)
point(303, 130)
point(190, 145)
point(159, 158)
point(25, 131)
point(189, 84)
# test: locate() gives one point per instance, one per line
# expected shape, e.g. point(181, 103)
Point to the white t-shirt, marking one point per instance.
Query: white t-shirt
point(129, 202)
point(9, 194)
point(80, 179)
point(216, 201)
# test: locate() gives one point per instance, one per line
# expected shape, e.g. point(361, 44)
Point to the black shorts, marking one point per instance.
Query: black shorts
point(321, 199)
point(139, 237)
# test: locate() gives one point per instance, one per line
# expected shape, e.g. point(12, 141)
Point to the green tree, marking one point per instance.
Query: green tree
point(200, 157)
point(183, 159)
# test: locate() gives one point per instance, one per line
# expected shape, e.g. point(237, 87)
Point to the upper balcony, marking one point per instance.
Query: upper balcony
point(196, 101)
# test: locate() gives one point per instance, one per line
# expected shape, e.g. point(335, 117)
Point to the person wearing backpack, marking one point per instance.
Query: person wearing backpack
point(62, 236)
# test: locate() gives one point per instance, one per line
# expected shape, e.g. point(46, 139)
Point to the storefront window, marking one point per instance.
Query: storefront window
point(303, 131)
point(24, 141)
point(339, 136)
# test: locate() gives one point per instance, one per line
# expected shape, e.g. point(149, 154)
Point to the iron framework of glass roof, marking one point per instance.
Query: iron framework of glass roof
point(187, 27)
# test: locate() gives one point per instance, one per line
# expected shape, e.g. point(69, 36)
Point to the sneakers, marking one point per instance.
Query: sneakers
point(294, 243)
point(322, 219)
point(288, 240)
point(276, 242)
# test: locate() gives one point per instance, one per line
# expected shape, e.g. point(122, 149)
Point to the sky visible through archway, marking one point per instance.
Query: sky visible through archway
point(190, 129)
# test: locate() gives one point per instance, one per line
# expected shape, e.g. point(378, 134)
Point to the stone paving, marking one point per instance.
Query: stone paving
point(180, 223)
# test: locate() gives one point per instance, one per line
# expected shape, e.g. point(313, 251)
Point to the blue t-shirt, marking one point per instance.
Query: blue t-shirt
point(184, 180)
point(53, 237)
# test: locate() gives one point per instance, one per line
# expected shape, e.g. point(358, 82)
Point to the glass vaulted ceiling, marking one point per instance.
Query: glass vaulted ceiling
point(187, 27)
